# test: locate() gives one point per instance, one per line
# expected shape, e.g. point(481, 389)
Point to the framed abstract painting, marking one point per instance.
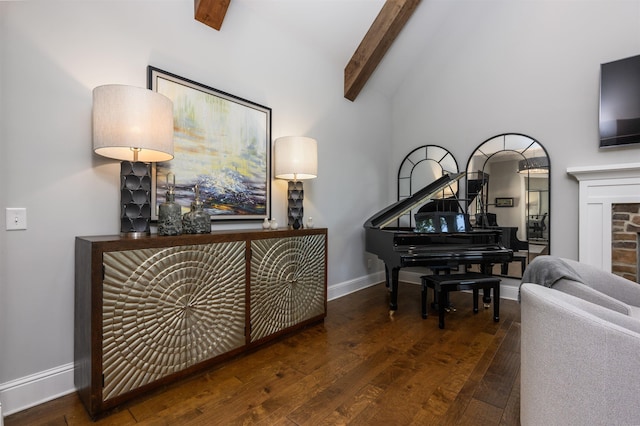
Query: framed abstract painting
point(222, 143)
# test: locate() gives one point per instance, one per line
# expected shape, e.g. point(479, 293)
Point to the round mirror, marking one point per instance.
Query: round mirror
point(507, 187)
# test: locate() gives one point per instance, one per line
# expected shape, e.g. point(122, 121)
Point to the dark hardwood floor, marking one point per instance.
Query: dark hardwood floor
point(360, 367)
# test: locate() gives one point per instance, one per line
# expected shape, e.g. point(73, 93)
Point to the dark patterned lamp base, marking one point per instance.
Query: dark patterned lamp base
point(135, 201)
point(295, 212)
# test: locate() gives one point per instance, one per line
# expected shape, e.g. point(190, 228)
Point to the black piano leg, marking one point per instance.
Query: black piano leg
point(448, 307)
point(423, 299)
point(386, 276)
point(486, 297)
point(486, 293)
point(393, 296)
point(496, 303)
point(442, 300)
point(475, 300)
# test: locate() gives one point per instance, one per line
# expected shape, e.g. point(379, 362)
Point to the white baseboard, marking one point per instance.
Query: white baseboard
point(29, 391)
point(509, 287)
point(347, 287)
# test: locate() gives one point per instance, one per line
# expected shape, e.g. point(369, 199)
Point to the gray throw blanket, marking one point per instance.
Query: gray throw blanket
point(547, 270)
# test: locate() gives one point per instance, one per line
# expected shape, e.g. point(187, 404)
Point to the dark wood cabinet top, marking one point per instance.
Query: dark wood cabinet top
point(118, 242)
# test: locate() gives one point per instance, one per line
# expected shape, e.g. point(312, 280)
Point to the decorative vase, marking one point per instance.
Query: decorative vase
point(197, 221)
point(274, 224)
point(266, 224)
point(309, 222)
point(170, 213)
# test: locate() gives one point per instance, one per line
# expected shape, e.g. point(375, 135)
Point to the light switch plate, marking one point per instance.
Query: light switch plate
point(16, 219)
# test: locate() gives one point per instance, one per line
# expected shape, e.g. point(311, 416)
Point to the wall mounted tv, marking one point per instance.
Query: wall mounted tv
point(620, 102)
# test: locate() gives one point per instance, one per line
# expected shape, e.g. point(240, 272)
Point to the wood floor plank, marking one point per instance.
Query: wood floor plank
point(330, 398)
point(441, 400)
point(511, 413)
point(423, 388)
point(457, 409)
point(353, 406)
point(255, 389)
point(361, 366)
point(479, 413)
point(279, 405)
point(179, 400)
point(497, 383)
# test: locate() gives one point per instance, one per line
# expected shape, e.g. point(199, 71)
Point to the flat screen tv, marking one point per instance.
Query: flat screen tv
point(620, 102)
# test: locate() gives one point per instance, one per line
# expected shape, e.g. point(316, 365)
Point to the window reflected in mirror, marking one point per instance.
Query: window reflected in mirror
point(421, 167)
point(507, 188)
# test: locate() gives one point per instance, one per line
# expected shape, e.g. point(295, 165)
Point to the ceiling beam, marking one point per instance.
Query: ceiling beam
point(211, 12)
point(374, 45)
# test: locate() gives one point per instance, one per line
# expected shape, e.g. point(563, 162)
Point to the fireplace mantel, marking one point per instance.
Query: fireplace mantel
point(600, 187)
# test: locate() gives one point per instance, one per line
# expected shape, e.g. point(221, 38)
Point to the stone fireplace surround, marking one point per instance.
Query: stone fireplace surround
point(602, 187)
point(625, 234)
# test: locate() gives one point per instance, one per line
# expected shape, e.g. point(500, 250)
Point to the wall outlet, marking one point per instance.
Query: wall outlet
point(16, 219)
point(369, 263)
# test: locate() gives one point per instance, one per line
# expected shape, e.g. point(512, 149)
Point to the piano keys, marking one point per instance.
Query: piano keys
point(439, 240)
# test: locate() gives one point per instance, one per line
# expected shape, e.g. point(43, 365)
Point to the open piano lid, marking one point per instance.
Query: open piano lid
point(394, 211)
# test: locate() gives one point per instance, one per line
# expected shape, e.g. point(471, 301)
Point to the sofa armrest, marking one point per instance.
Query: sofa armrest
point(589, 294)
point(579, 361)
point(605, 282)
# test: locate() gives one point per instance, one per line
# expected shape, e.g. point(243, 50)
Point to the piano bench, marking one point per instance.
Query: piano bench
point(443, 284)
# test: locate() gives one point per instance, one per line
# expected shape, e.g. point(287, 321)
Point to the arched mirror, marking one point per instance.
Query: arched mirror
point(420, 167)
point(507, 187)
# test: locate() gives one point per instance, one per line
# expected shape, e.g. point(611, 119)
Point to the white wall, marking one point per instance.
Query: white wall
point(54, 54)
point(530, 67)
point(489, 67)
point(3, 178)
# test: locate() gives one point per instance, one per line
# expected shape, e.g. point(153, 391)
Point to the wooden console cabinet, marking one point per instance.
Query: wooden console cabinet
point(152, 310)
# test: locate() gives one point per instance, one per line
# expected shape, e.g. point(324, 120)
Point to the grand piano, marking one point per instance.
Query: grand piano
point(442, 237)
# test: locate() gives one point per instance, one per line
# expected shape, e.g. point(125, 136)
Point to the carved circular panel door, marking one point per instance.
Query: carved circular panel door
point(287, 282)
point(167, 309)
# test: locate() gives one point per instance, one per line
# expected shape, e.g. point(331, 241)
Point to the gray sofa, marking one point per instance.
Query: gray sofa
point(586, 282)
point(580, 346)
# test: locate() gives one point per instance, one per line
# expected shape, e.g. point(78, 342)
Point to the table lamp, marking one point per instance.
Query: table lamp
point(296, 159)
point(134, 125)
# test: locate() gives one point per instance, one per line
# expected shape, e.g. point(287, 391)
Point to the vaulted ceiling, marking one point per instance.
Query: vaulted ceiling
point(381, 35)
point(390, 19)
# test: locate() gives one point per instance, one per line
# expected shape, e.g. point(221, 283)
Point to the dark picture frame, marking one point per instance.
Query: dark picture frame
point(221, 142)
point(504, 202)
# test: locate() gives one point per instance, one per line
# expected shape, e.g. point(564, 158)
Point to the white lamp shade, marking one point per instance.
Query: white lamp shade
point(296, 158)
point(127, 118)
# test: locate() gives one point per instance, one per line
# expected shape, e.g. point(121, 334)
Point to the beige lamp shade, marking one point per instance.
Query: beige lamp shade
point(296, 158)
point(131, 120)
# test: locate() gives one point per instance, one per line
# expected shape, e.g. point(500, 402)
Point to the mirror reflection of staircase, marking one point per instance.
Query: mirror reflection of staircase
point(537, 227)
